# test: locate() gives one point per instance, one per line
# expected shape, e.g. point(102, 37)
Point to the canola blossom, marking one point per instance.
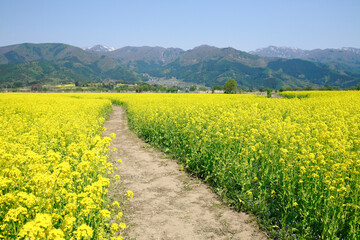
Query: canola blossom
point(294, 163)
point(54, 173)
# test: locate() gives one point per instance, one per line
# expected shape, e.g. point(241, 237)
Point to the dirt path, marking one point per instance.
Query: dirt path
point(169, 204)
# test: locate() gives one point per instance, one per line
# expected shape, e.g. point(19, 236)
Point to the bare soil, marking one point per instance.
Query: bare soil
point(168, 203)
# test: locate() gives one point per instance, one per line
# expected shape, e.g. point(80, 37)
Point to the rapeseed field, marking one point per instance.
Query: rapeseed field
point(54, 169)
point(294, 162)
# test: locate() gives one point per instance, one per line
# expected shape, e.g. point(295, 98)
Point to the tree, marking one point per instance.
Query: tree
point(268, 91)
point(230, 86)
point(172, 90)
point(202, 89)
point(217, 87)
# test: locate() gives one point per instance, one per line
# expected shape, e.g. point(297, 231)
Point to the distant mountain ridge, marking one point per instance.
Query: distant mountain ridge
point(293, 52)
point(208, 53)
point(213, 66)
point(28, 52)
point(345, 58)
point(158, 55)
point(205, 65)
point(57, 62)
point(282, 52)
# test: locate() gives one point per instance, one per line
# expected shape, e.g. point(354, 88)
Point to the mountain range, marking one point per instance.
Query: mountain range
point(272, 67)
point(213, 66)
point(54, 63)
point(345, 58)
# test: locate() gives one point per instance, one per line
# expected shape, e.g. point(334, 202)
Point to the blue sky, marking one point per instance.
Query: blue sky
point(244, 25)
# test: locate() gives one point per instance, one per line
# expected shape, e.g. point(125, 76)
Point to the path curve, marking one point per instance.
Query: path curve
point(169, 204)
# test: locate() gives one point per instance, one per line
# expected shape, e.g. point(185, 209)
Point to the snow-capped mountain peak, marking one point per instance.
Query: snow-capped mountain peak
point(350, 49)
point(291, 52)
point(99, 48)
point(284, 52)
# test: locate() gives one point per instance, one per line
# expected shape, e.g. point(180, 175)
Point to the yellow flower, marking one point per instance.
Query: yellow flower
point(119, 216)
point(56, 234)
point(84, 232)
point(37, 228)
point(114, 227)
point(122, 225)
point(113, 135)
point(130, 194)
point(68, 222)
point(16, 214)
point(116, 203)
point(105, 213)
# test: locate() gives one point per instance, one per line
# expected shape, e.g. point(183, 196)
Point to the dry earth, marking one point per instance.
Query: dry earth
point(168, 203)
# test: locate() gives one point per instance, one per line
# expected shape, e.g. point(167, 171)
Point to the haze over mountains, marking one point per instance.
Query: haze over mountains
point(345, 58)
point(271, 67)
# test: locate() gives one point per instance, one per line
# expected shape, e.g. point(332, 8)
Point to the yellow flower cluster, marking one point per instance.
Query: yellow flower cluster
point(54, 168)
point(293, 162)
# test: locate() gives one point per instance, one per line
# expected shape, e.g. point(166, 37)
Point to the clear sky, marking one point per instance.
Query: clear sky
point(244, 25)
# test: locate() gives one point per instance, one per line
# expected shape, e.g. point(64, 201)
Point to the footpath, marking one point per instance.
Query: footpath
point(169, 204)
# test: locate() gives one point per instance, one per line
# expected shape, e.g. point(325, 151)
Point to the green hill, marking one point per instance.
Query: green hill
point(55, 63)
point(213, 66)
